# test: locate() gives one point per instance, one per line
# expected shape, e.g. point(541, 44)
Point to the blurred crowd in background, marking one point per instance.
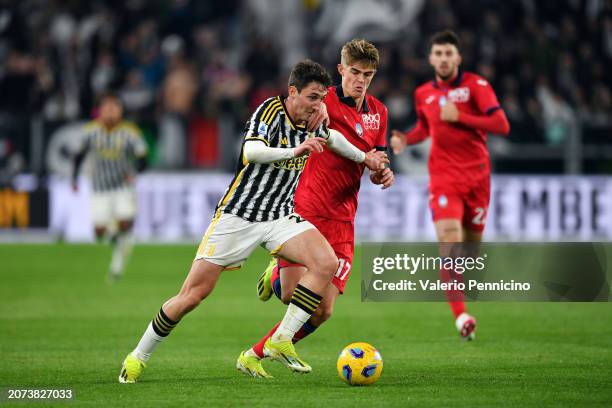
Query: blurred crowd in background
point(191, 72)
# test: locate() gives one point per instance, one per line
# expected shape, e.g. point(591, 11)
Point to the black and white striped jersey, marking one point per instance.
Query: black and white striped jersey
point(114, 151)
point(264, 192)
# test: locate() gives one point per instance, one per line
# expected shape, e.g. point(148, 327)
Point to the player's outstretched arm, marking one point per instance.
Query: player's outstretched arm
point(374, 160)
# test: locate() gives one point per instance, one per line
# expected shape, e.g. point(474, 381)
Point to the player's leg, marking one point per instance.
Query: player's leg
point(344, 251)
point(296, 239)
point(282, 276)
point(465, 322)
point(228, 241)
point(249, 362)
point(198, 285)
point(448, 211)
point(292, 272)
point(101, 213)
point(124, 208)
point(474, 220)
point(311, 250)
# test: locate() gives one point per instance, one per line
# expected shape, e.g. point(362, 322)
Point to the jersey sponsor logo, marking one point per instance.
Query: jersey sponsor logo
point(371, 121)
point(358, 129)
point(297, 163)
point(459, 95)
point(430, 99)
point(262, 129)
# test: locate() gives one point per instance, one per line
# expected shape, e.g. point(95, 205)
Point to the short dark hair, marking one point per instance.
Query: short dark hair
point(308, 71)
point(445, 37)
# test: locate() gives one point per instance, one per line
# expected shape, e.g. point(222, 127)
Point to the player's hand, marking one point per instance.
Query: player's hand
point(398, 141)
point(376, 160)
point(129, 179)
point(384, 177)
point(75, 186)
point(319, 117)
point(314, 144)
point(449, 112)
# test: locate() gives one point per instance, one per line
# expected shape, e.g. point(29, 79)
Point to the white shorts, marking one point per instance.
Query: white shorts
point(110, 206)
point(229, 240)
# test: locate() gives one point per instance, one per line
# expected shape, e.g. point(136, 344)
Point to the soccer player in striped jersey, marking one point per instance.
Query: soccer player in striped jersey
point(118, 151)
point(257, 209)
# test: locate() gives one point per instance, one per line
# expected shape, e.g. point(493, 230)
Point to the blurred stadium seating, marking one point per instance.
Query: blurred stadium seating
point(190, 73)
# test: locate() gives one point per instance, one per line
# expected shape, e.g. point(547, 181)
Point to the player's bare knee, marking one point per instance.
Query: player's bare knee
point(325, 266)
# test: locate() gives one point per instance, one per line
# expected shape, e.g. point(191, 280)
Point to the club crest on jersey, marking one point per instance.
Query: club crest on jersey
point(358, 129)
point(442, 201)
point(459, 95)
point(371, 121)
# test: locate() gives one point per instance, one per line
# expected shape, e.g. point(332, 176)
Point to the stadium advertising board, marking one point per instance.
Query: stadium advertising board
point(178, 207)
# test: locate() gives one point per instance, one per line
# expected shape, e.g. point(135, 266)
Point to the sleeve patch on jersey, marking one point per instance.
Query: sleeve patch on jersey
point(262, 129)
point(482, 82)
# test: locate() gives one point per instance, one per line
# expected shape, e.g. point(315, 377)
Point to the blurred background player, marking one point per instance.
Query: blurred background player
point(257, 209)
point(457, 109)
point(330, 203)
point(118, 151)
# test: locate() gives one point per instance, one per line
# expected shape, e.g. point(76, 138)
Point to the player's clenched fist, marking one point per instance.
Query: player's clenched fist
point(384, 177)
point(314, 144)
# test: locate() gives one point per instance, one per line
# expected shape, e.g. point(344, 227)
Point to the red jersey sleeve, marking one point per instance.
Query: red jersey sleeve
point(484, 96)
point(421, 131)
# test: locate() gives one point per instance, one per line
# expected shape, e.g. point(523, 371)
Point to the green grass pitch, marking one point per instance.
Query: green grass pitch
point(62, 326)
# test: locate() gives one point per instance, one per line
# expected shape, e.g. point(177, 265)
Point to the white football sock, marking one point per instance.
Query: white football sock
point(291, 323)
point(121, 252)
point(147, 344)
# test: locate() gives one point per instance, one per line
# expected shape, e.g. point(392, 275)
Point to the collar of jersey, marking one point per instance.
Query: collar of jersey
point(347, 100)
point(291, 122)
point(451, 84)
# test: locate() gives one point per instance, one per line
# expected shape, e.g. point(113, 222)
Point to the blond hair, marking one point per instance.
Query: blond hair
point(359, 50)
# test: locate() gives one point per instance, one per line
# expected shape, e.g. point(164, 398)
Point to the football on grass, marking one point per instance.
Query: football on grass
point(360, 364)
